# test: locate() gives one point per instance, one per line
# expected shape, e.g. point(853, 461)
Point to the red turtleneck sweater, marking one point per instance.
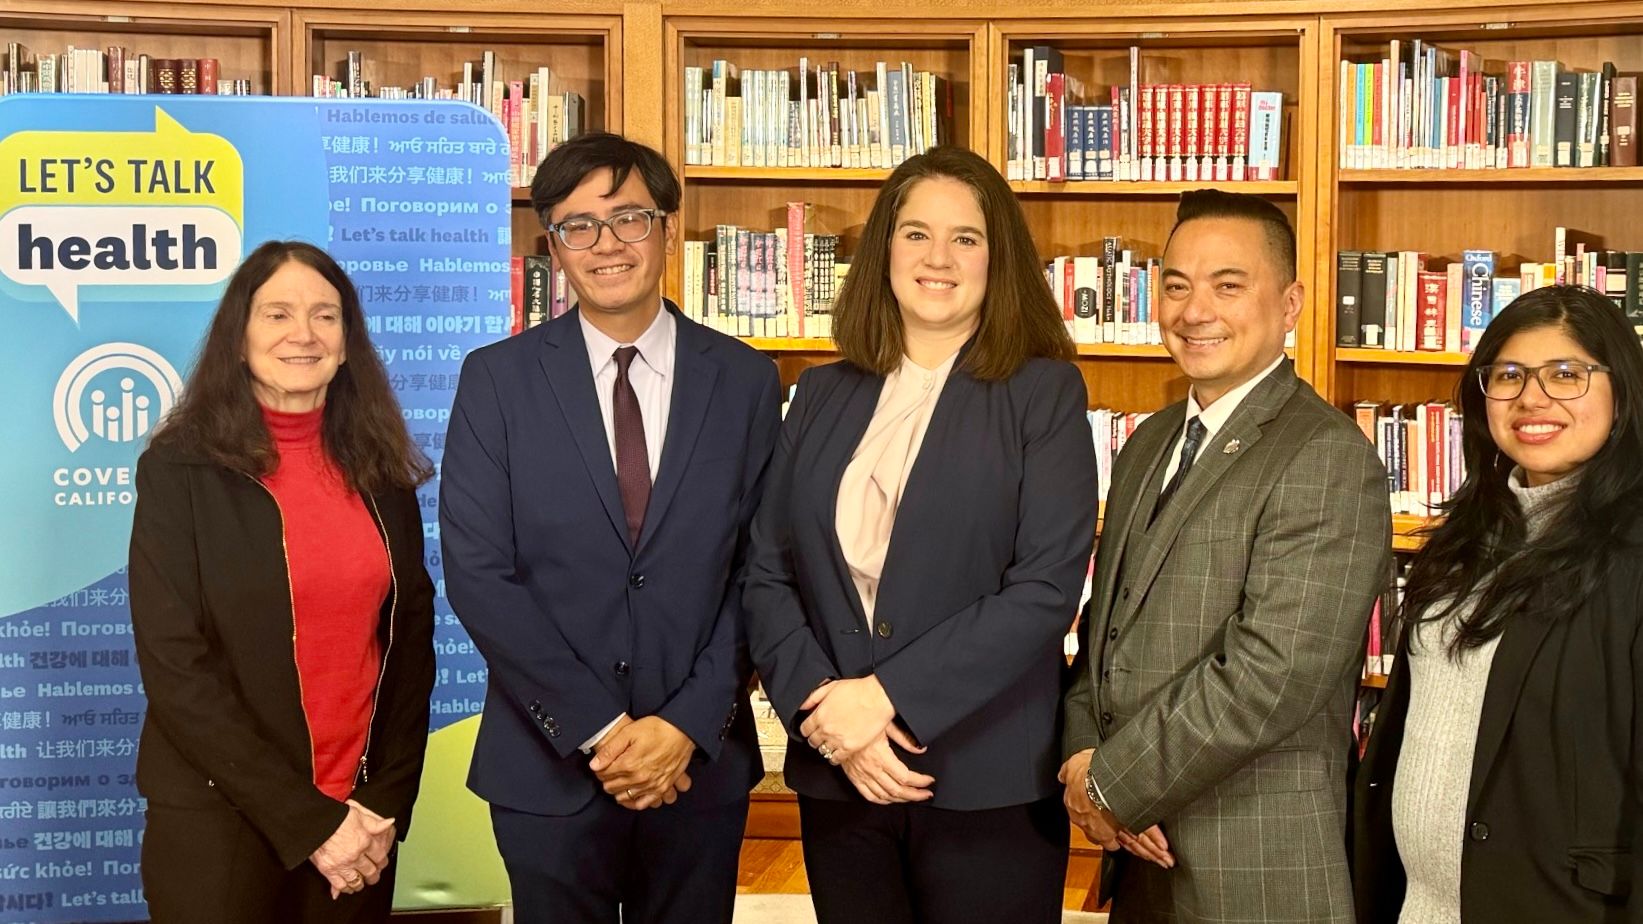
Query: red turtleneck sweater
point(339, 580)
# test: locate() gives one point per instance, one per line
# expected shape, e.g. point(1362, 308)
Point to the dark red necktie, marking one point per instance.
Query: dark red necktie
point(632, 458)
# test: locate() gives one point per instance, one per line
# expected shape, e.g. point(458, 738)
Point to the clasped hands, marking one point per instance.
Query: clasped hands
point(355, 855)
point(641, 762)
point(852, 725)
point(1099, 824)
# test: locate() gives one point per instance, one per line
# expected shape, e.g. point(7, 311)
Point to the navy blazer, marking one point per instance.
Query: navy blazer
point(987, 559)
point(577, 626)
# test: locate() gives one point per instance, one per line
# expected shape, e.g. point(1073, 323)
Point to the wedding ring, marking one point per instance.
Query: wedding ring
point(826, 752)
point(630, 795)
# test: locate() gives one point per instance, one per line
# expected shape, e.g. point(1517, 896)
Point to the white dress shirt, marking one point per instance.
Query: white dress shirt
point(1214, 417)
point(651, 375)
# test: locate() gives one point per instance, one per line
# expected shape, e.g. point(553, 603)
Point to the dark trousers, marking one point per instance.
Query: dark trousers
point(673, 864)
point(209, 866)
point(914, 864)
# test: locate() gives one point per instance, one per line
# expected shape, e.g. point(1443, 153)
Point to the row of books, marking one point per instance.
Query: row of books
point(751, 118)
point(1059, 130)
point(112, 70)
point(753, 283)
point(537, 113)
point(1422, 106)
point(1111, 430)
point(1420, 445)
point(1394, 301)
point(1107, 298)
point(540, 291)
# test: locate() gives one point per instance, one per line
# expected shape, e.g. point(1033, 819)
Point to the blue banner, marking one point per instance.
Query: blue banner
point(121, 217)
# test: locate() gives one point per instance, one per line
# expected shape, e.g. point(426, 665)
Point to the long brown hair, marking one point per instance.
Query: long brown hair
point(1019, 319)
point(218, 417)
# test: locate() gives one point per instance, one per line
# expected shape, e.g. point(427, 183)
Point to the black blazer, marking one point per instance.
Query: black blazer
point(1555, 787)
point(577, 625)
point(211, 616)
point(981, 581)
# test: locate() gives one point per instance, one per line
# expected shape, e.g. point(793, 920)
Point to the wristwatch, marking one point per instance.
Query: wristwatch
point(1094, 794)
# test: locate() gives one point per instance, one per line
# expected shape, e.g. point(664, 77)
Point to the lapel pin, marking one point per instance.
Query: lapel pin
point(1231, 447)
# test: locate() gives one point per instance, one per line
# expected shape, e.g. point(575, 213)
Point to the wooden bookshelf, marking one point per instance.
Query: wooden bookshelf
point(248, 41)
point(582, 50)
point(1510, 177)
point(1098, 188)
point(756, 197)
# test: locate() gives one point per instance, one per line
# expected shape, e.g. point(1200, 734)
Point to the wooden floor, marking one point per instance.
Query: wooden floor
point(776, 865)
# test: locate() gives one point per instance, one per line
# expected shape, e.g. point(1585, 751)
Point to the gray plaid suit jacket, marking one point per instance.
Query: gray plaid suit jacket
point(1220, 657)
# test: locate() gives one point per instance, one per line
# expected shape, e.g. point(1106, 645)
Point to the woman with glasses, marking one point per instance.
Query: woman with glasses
point(1500, 782)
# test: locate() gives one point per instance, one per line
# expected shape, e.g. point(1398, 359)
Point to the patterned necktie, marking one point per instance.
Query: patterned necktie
point(1196, 432)
point(632, 457)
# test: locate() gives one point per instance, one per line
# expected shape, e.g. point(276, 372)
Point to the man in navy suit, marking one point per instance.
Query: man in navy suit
point(599, 476)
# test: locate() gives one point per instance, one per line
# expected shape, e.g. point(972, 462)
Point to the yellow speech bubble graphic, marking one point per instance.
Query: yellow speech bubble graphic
point(84, 208)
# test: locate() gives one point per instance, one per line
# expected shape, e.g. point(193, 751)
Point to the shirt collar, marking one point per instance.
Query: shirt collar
point(1217, 414)
point(655, 344)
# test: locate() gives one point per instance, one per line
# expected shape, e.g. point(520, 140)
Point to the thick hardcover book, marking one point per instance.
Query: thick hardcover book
point(1565, 100)
point(1623, 122)
point(1348, 285)
point(1373, 297)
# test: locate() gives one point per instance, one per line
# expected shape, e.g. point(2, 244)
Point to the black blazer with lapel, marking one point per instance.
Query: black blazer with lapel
point(986, 562)
point(576, 625)
point(211, 616)
point(1555, 792)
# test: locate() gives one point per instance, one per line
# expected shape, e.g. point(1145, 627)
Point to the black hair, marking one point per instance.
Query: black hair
point(1215, 203)
point(568, 164)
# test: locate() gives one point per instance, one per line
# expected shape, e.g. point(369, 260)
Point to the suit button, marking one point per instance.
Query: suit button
point(636, 581)
point(1125, 593)
point(1106, 718)
point(621, 668)
point(1112, 633)
point(1480, 831)
point(1106, 674)
point(535, 707)
point(884, 630)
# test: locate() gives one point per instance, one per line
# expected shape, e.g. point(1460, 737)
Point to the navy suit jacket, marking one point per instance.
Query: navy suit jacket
point(982, 579)
point(577, 626)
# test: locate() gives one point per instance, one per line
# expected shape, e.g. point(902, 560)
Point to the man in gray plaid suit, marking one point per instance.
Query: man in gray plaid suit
point(1247, 533)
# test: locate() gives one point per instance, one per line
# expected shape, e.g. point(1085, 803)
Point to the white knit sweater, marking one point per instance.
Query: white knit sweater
point(1440, 735)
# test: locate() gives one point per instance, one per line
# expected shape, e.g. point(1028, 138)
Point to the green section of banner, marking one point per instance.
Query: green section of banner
point(450, 859)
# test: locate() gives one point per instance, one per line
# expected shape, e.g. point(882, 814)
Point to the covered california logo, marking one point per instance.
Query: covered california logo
point(165, 208)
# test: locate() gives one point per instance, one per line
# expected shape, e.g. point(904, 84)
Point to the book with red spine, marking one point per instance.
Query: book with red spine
point(1433, 294)
point(516, 280)
point(1177, 131)
point(1144, 132)
point(1055, 134)
point(1240, 131)
point(1211, 109)
point(1223, 131)
point(1193, 137)
point(210, 73)
point(795, 264)
point(1517, 114)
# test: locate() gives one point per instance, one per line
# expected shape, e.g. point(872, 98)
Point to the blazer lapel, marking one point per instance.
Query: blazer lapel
point(1124, 502)
point(1240, 432)
point(916, 495)
point(1519, 645)
point(695, 375)
point(564, 361)
point(837, 448)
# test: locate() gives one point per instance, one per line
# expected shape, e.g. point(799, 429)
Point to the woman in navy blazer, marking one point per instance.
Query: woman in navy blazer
point(918, 667)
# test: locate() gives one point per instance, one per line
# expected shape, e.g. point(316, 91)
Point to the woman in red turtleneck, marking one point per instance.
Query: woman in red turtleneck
point(282, 613)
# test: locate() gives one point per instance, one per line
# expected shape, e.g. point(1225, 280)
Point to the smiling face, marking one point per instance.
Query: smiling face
point(938, 259)
point(1226, 306)
point(616, 282)
point(294, 338)
point(1550, 438)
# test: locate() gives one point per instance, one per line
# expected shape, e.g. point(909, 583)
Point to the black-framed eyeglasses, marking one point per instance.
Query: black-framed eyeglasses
point(1562, 381)
point(629, 227)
